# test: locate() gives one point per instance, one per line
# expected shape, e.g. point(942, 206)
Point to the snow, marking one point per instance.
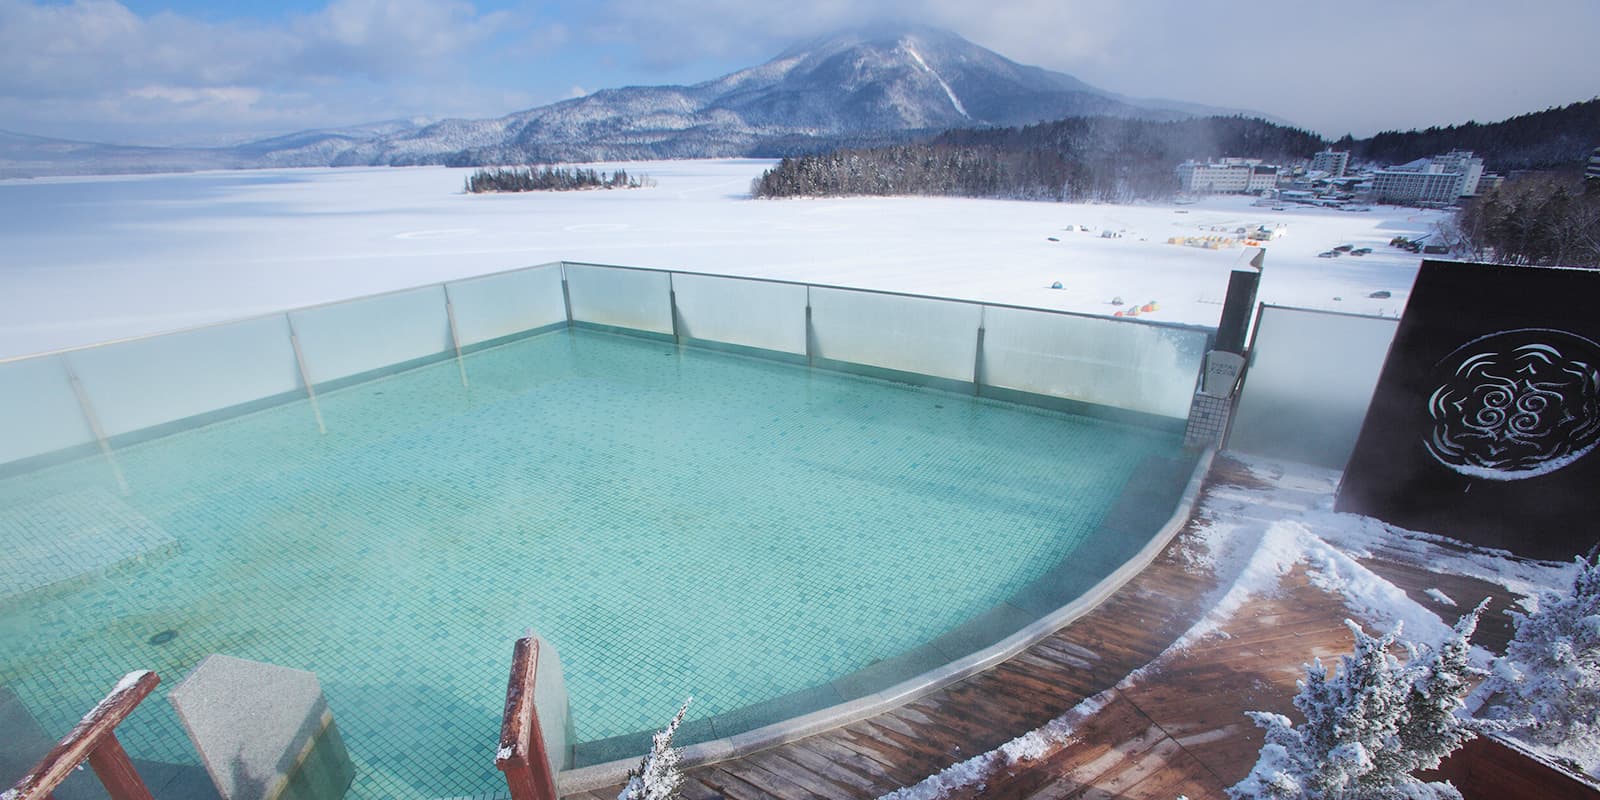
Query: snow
point(129, 681)
point(1251, 538)
point(101, 258)
point(1440, 596)
point(1034, 744)
point(948, 92)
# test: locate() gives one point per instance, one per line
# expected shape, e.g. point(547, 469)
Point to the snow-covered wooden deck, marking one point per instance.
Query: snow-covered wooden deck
point(1178, 728)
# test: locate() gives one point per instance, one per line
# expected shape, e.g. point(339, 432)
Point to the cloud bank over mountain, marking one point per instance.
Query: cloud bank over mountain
point(165, 71)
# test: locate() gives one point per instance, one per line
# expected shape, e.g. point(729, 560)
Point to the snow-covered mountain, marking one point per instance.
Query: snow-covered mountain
point(858, 86)
point(854, 88)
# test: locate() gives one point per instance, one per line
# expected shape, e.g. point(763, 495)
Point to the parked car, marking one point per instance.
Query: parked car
point(1360, 251)
point(1328, 254)
point(1344, 248)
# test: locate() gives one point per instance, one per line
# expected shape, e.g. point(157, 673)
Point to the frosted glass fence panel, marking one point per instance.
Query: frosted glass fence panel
point(911, 334)
point(1127, 365)
point(1311, 376)
point(38, 411)
point(512, 302)
point(350, 338)
point(625, 298)
point(145, 382)
point(771, 316)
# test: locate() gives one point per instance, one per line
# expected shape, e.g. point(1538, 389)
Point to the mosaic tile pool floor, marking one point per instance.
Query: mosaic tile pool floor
point(676, 522)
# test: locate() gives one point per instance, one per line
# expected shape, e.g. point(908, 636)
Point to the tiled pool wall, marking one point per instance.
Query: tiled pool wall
point(138, 391)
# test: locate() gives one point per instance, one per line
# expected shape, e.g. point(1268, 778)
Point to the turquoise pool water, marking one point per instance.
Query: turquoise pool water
point(676, 521)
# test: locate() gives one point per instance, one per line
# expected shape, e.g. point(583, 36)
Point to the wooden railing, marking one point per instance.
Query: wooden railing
point(94, 738)
point(522, 756)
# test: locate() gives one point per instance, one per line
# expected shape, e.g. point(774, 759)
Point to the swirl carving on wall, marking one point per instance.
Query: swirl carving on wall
point(1516, 404)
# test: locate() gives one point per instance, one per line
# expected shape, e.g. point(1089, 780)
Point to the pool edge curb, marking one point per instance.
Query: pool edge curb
point(598, 776)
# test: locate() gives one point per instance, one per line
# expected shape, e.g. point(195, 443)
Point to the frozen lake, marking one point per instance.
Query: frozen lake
point(99, 258)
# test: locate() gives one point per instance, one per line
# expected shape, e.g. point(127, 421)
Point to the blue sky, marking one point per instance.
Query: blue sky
point(146, 71)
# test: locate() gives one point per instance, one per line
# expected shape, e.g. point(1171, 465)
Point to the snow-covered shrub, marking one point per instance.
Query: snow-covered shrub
point(1548, 681)
point(1369, 726)
point(658, 776)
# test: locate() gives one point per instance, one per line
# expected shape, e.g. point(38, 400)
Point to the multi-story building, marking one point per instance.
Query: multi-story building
point(1228, 176)
point(1593, 171)
point(1333, 162)
point(1464, 163)
point(1441, 181)
point(1489, 183)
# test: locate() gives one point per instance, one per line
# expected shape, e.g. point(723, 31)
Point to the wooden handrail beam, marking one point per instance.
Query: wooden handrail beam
point(522, 756)
point(94, 739)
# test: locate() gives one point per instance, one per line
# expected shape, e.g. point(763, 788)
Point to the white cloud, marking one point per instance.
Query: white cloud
point(96, 62)
point(1362, 66)
point(68, 67)
point(383, 38)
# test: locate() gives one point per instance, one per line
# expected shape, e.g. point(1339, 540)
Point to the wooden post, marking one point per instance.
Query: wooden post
point(522, 756)
point(94, 738)
point(115, 770)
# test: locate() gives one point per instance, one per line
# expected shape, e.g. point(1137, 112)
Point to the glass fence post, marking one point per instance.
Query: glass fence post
point(305, 374)
point(89, 416)
point(455, 334)
point(672, 308)
point(977, 355)
point(566, 294)
point(810, 357)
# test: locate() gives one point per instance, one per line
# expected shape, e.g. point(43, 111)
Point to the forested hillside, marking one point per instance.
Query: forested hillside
point(1556, 137)
point(1081, 158)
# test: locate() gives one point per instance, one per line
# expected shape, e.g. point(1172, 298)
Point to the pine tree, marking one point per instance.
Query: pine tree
point(1549, 678)
point(1369, 726)
point(1433, 728)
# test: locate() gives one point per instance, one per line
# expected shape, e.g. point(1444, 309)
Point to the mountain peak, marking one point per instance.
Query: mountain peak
point(889, 81)
point(878, 34)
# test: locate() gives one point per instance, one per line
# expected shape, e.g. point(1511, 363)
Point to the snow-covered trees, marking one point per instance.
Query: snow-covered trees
point(551, 179)
point(1369, 726)
point(657, 777)
point(1112, 159)
point(1548, 682)
point(1544, 218)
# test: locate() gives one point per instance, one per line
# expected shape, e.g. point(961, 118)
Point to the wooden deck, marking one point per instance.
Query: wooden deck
point(1178, 729)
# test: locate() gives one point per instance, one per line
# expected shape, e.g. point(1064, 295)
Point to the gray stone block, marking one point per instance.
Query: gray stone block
point(264, 732)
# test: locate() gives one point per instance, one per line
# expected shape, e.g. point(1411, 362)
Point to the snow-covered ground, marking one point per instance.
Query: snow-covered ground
point(1251, 537)
point(93, 259)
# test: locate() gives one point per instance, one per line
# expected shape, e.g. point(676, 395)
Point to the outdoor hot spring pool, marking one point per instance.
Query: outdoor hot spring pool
point(768, 538)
